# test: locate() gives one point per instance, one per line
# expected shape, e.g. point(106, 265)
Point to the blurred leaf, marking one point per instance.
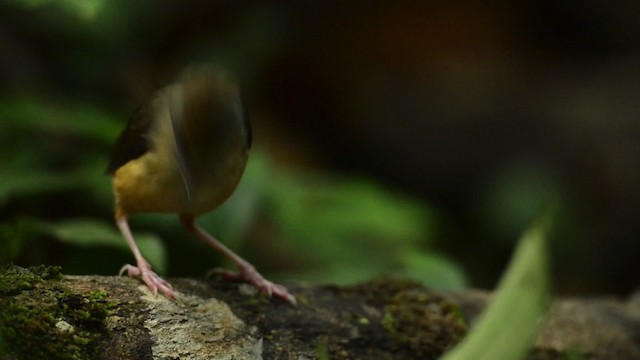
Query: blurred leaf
point(350, 230)
point(41, 135)
point(434, 270)
point(31, 182)
point(68, 118)
point(338, 207)
point(83, 9)
point(89, 232)
point(515, 196)
point(520, 302)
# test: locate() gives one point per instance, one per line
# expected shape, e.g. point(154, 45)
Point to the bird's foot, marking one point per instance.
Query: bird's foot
point(250, 275)
point(153, 281)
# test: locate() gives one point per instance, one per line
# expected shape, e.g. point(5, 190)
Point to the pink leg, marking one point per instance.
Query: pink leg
point(247, 272)
point(143, 269)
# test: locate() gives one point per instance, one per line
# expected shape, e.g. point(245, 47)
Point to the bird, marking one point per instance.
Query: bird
point(184, 152)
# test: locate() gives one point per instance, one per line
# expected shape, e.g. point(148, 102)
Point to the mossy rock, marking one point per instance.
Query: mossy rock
point(44, 315)
point(41, 318)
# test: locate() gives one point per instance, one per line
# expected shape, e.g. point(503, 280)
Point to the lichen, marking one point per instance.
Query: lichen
point(197, 328)
point(41, 318)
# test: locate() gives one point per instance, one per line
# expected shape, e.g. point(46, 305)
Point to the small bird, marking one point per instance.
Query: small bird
point(184, 152)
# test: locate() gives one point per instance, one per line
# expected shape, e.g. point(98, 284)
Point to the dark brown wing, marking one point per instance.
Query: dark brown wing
point(132, 142)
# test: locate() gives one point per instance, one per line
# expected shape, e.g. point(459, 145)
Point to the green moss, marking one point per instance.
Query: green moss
point(389, 323)
point(14, 279)
point(40, 318)
point(572, 354)
point(322, 352)
point(423, 322)
point(97, 295)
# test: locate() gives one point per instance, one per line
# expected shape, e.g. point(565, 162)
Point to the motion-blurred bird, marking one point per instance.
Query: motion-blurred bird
point(184, 152)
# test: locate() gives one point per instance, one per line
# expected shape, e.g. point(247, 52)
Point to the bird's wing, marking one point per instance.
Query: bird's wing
point(176, 109)
point(132, 142)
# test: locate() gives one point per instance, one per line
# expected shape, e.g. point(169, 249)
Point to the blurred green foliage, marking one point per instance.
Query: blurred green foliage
point(353, 226)
point(82, 9)
point(56, 203)
point(321, 227)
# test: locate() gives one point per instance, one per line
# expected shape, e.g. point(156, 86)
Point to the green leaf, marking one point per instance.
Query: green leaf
point(88, 232)
point(510, 323)
point(434, 270)
point(337, 210)
point(31, 182)
point(59, 117)
point(85, 10)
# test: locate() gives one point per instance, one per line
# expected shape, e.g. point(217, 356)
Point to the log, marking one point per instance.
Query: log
point(47, 315)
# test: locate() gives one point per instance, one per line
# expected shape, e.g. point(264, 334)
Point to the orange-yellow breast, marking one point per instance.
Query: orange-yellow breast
point(153, 184)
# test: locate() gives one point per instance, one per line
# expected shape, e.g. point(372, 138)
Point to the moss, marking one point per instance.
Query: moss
point(97, 295)
point(41, 318)
point(382, 319)
point(383, 290)
point(14, 279)
point(425, 323)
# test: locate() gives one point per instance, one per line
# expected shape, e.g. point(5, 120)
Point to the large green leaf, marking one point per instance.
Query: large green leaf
point(511, 322)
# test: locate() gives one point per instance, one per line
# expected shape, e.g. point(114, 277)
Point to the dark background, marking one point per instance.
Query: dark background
point(480, 112)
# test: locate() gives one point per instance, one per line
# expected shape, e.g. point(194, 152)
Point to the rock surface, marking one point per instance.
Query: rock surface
point(44, 314)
